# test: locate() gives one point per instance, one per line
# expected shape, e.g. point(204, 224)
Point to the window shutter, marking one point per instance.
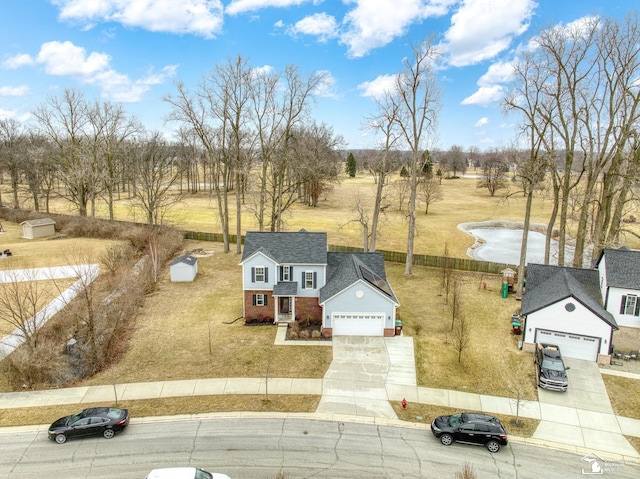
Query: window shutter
point(315, 279)
point(290, 273)
point(253, 275)
point(280, 272)
point(303, 281)
point(266, 274)
point(637, 310)
point(622, 304)
point(266, 302)
point(254, 299)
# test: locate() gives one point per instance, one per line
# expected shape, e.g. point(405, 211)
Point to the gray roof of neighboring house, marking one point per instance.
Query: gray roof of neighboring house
point(185, 258)
point(344, 269)
point(301, 247)
point(622, 267)
point(546, 285)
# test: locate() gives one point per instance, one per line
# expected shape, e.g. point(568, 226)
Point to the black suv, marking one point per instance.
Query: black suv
point(551, 372)
point(471, 428)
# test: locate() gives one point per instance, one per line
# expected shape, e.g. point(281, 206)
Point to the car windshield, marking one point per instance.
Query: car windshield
point(455, 420)
point(553, 364)
point(73, 419)
point(200, 474)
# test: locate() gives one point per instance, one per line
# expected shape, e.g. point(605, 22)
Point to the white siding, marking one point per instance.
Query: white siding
point(360, 298)
point(580, 321)
point(183, 272)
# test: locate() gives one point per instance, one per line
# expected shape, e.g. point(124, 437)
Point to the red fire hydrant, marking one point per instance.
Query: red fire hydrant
point(404, 403)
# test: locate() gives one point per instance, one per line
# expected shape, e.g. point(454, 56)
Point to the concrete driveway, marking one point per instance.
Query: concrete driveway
point(582, 416)
point(362, 368)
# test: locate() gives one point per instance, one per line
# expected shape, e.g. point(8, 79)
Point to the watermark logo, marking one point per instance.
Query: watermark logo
point(598, 465)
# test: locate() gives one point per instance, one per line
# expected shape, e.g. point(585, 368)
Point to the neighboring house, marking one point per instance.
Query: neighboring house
point(619, 280)
point(563, 306)
point(40, 228)
point(184, 268)
point(292, 276)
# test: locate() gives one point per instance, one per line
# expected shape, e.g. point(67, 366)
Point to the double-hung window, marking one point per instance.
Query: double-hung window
point(308, 280)
point(630, 305)
point(259, 274)
point(286, 273)
point(260, 300)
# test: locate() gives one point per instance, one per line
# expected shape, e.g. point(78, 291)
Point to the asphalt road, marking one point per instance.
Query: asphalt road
point(260, 448)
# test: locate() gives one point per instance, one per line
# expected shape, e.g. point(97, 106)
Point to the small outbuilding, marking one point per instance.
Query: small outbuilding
point(184, 268)
point(32, 229)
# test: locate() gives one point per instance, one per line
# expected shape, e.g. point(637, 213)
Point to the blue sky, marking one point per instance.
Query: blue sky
point(132, 51)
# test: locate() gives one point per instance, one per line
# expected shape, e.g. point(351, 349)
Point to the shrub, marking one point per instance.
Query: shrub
point(304, 334)
point(293, 334)
point(316, 334)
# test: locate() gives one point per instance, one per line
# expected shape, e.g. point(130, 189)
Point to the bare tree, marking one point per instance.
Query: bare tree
point(417, 99)
point(461, 335)
point(12, 153)
point(456, 301)
point(155, 177)
point(466, 472)
point(430, 191)
point(384, 121)
point(494, 172)
point(65, 121)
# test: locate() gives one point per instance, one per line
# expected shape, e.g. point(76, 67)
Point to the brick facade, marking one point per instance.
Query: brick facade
point(252, 312)
point(308, 308)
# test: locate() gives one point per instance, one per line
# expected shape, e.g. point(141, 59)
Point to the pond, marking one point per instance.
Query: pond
point(501, 244)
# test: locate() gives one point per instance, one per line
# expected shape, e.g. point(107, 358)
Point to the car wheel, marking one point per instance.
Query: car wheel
point(108, 433)
point(61, 438)
point(493, 446)
point(446, 439)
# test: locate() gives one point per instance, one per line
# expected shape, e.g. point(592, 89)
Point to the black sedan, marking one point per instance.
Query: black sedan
point(95, 421)
point(470, 428)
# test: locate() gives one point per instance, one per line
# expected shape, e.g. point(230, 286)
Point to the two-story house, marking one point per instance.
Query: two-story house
point(619, 281)
point(292, 275)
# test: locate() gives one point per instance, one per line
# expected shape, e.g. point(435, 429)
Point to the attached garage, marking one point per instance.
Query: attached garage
point(563, 306)
point(353, 324)
point(571, 345)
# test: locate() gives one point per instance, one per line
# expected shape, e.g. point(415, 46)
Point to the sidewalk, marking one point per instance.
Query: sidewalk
point(580, 421)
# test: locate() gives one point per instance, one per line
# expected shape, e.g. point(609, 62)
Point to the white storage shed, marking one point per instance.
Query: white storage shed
point(39, 228)
point(184, 268)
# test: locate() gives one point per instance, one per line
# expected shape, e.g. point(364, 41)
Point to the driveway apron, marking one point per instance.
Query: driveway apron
point(582, 416)
point(355, 383)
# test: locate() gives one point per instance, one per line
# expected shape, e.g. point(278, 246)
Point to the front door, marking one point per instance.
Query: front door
point(285, 304)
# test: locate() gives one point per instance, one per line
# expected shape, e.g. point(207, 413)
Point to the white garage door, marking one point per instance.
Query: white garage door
point(353, 324)
point(571, 345)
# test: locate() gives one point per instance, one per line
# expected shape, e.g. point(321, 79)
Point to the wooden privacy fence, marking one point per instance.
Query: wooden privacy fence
point(462, 264)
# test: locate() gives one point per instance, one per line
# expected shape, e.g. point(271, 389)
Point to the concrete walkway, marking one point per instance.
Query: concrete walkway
point(575, 425)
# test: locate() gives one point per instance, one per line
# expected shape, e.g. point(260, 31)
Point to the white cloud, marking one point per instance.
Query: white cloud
point(327, 88)
point(491, 90)
point(379, 87)
point(485, 96)
point(481, 122)
point(237, 7)
point(21, 90)
point(67, 59)
point(198, 17)
point(481, 29)
point(18, 61)
point(320, 24)
point(263, 70)
point(375, 23)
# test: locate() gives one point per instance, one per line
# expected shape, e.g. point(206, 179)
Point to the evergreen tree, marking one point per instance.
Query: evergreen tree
point(351, 166)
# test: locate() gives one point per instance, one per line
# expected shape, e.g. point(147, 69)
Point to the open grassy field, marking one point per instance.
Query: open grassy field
point(462, 202)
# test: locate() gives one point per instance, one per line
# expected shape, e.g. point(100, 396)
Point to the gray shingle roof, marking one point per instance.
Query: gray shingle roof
point(622, 268)
point(185, 258)
point(300, 247)
point(344, 269)
point(39, 222)
point(548, 284)
point(285, 288)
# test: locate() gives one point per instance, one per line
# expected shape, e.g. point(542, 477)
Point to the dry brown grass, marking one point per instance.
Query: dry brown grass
point(169, 407)
point(425, 413)
point(182, 333)
point(624, 394)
